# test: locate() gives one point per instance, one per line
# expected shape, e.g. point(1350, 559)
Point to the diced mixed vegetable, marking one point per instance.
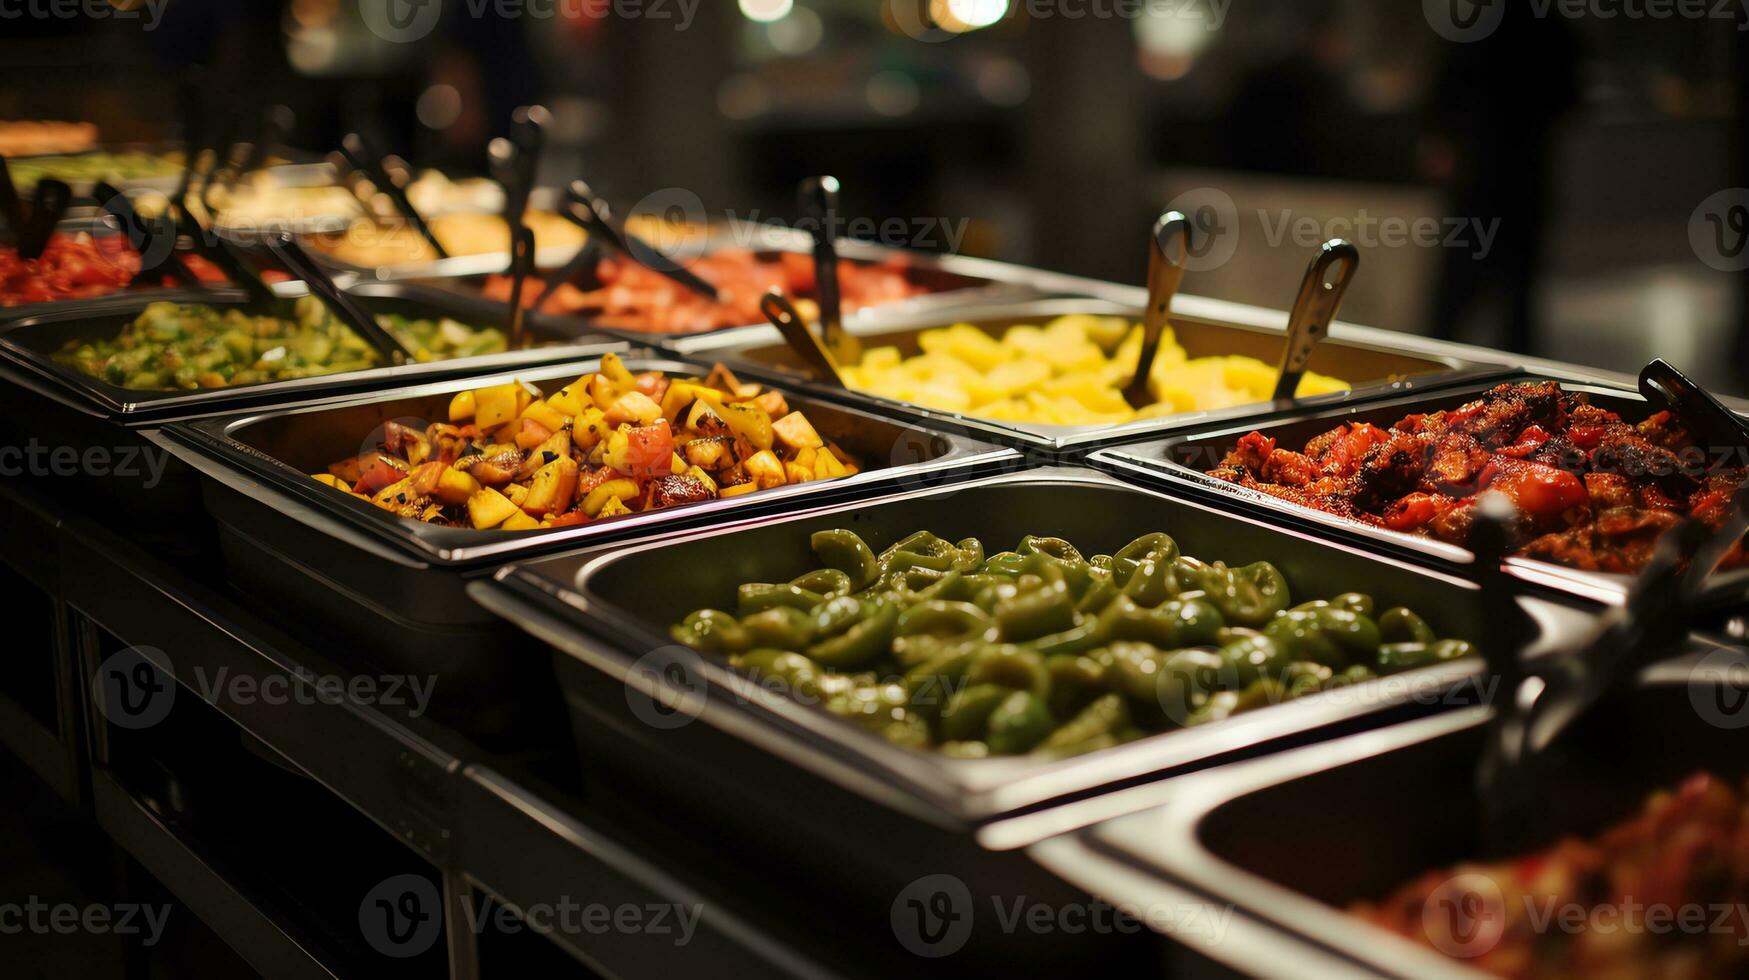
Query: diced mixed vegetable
point(935, 644)
point(608, 444)
point(178, 346)
point(1067, 372)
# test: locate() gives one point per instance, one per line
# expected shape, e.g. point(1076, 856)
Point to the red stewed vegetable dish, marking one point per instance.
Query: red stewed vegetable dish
point(80, 266)
point(1593, 491)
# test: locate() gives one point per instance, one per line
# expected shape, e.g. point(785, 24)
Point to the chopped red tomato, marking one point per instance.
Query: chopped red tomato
point(650, 449)
point(1528, 442)
point(1410, 512)
point(1538, 490)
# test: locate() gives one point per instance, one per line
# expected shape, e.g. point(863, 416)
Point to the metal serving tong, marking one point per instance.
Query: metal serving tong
point(362, 158)
point(819, 205)
point(585, 208)
point(1168, 250)
point(815, 356)
point(294, 258)
point(276, 123)
point(153, 238)
point(1314, 308)
point(1537, 709)
point(1701, 413)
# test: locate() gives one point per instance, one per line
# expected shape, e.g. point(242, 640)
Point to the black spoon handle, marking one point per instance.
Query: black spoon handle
point(521, 263)
point(343, 306)
point(48, 205)
point(360, 156)
point(819, 201)
point(152, 239)
point(11, 206)
point(587, 209)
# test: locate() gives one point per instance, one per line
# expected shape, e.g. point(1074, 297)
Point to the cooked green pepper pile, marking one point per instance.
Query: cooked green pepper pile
point(170, 345)
point(934, 644)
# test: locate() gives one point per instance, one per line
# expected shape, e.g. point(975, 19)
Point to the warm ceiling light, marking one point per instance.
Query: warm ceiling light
point(767, 11)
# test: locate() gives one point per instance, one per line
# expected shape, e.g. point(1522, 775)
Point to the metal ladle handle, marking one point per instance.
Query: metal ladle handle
point(1327, 278)
point(782, 314)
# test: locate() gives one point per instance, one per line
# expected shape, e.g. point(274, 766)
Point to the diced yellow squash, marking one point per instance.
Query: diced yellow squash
point(614, 490)
point(676, 465)
point(569, 400)
point(519, 521)
point(750, 423)
point(702, 411)
point(517, 492)
point(455, 486)
point(527, 433)
point(797, 473)
point(613, 508)
point(764, 468)
point(547, 415)
point(805, 457)
point(489, 508)
point(331, 480)
point(619, 451)
point(461, 407)
point(795, 431)
point(827, 466)
point(601, 391)
point(553, 488)
point(589, 428)
point(634, 407)
point(737, 490)
point(551, 448)
point(679, 395)
point(617, 374)
point(497, 404)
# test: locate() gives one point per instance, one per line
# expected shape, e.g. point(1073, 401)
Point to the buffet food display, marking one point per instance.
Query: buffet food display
point(608, 444)
point(1593, 491)
point(935, 671)
point(934, 644)
point(1068, 371)
point(631, 297)
point(189, 346)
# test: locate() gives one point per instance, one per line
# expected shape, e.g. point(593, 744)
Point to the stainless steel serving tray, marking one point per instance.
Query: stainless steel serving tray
point(600, 609)
point(29, 342)
point(1374, 811)
point(1376, 369)
point(1187, 456)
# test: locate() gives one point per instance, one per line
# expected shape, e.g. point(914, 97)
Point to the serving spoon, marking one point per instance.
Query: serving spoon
point(1701, 413)
point(815, 357)
point(153, 239)
point(294, 258)
point(48, 204)
point(11, 206)
point(1319, 298)
point(1168, 250)
point(586, 209)
point(364, 160)
point(819, 205)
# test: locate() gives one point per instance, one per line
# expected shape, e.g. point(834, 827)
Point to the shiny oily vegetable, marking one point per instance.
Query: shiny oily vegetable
point(935, 644)
point(175, 346)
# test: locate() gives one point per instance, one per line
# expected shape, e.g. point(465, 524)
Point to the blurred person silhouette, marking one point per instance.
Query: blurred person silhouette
point(1494, 116)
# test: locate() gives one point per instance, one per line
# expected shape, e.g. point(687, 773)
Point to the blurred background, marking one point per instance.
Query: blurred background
point(1559, 184)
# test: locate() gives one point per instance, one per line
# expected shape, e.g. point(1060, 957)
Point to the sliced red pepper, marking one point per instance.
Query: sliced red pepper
point(1410, 512)
point(650, 449)
point(1529, 441)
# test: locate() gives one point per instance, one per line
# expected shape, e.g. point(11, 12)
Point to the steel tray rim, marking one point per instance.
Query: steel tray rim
point(731, 344)
point(601, 638)
point(213, 438)
point(1149, 460)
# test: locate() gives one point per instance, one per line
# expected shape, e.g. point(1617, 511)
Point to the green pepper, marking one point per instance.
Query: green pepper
point(1020, 722)
point(1246, 661)
point(1187, 679)
point(1353, 675)
point(794, 672)
point(910, 731)
point(970, 557)
point(1218, 707)
point(925, 629)
point(1262, 693)
point(1395, 657)
point(825, 581)
point(1305, 677)
point(1327, 635)
point(1152, 582)
point(760, 596)
point(1195, 621)
point(1077, 639)
point(1130, 557)
point(1009, 666)
point(834, 616)
point(1010, 563)
point(1055, 548)
point(967, 714)
point(931, 683)
point(1358, 602)
point(1074, 682)
point(1401, 625)
point(848, 553)
point(1100, 591)
point(780, 627)
point(1250, 595)
point(712, 631)
point(1032, 614)
point(864, 642)
point(873, 706)
point(1105, 716)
